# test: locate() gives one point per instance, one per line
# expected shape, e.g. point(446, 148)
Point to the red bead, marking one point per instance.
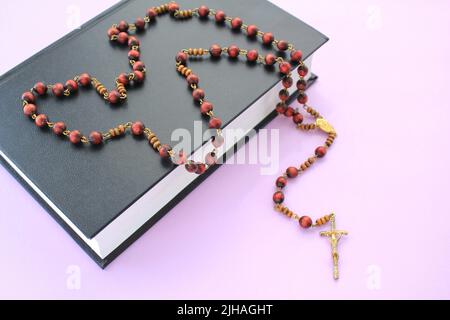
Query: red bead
point(203, 11)
point(236, 23)
point(206, 107)
point(180, 158)
point(58, 89)
point(289, 112)
point(252, 30)
point(298, 118)
point(268, 38)
point(278, 197)
point(296, 56)
point(215, 123)
point(287, 82)
point(59, 128)
point(137, 128)
point(303, 71)
point(139, 76)
point(281, 182)
point(114, 97)
point(40, 88)
point(29, 109)
point(301, 85)
point(292, 172)
point(173, 7)
point(75, 137)
point(84, 79)
point(133, 42)
point(28, 97)
point(211, 159)
point(198, 94)
point(302, 98)
point(201, 168)
point(282, 45)
point(215, 50)
point(164, 151)
point(217, 141)
point(140, 24)
point(285, 68)
point(252, 55)
point(270, 59)
point(281, 108)
point(233, 51)
point(284, 95)
point(191, 167)
point(123, 26)
point(134, 55)
point(122, 38)
point(220, 16)
point(193, 79)
point(181, 57)
point(151, 13)
point(41, 120)
point(139, 66)
point(321, 152)
point(72, 86)
point(113, 32)
point(95, 138)
point(123, 79)
point(305, 222)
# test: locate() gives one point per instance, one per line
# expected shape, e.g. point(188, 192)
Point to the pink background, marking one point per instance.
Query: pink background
point(384, 85)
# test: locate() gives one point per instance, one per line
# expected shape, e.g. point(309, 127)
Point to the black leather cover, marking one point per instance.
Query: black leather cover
point(93, 186)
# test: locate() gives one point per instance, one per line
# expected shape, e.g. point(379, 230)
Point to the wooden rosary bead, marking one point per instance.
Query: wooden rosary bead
point(164, 151)
point(303, 71)
point(302, 98)
point(297, 118)
point(268, 38)
point(172, 7)
point(113, 32)
point(206, 107)
point(305, 222)
point(284, 95)
point(220, 16)
point(282, 45)
point(201, 168)
point(215, 51)
point(123, 79)
point(123, 26)
point(193, 79)
point(287, 82)
point(215, 123)
point(270, 59)
point(96, 138)
point(122, 38)
point(296, 56)
point(211, 159)
point(322, 221)
point(236, 23)
point(198, 94)
point(40, 88)
point(233, 51)
point(84, 80)
point(134, 55)
point(114, 97)
point(151, 13)
point(278, 197)
point(184, 14)
point(252, 55)
point(281, 182)
point(154, 141)
point(58, 89)
point(41, 120)
point(321, 152)
point(203, 11)
point(281, 107)
point(72, 86)
point(75, 137)
point(313, 112)
point(286, 211)
point(59, 128)
point(292, 172)
point(121, 89)
point(29, 109)
point(191, 167)
point(139, 76)
point(290, 112)
point(285, 68)
point(252, 30)
point(137, 128)
point(307, 127)
point(140, 24)
point(217, 141)
point(301, 85)
point(183, 70)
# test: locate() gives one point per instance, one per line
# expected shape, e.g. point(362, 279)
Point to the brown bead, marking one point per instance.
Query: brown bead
point(278, 197)
point(215, 123)
point(270, 59)
point(203, 11)
point(173, 7)
point(75, 137)
point(252, 55)
point(137, 128)
point(59, 128)
point(95, 138)
point(302, 71)
point(287, 82)
point(140, 24)
point(40, 88)
point(252, 30)
point(122, 38)
point(268, 38)
point(114, 97)
point(321, 152)
point(282, 45)
point(292, 172)
point(164, 151)
point(206, 107)
point(201, 168)
point(198, 94)
point(289, 112)
point(193, 79)
point(284, 95)
point(151, 13)
point(139, 76)
point(28, 97)
point(297, 118)
point(281, 108)
point(236, 23)
point(215, 50)
point(302, 98)
point(85, 80)
point(41, 120)
point(233, 51)
point(134, 55)
point(181, 57)
point(58, 89)
point(191, 167)
point(123, 79)
point(296, 56)
point(305, 222)
point(29, 109)
point(285, 68)
point(220, 16)
point(301, 85)
point(281, 182)
point(123, 26)
point(113, 32)
point(72, 86)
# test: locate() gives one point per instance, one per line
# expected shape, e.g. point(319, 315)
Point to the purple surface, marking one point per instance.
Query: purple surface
point(384, 79)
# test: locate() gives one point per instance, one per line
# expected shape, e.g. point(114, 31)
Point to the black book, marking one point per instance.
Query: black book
point(107, 197)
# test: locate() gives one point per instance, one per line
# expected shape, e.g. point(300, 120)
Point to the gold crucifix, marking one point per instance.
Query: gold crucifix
point(334, 236)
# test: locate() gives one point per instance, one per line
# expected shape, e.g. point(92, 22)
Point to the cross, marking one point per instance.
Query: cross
point(334, 236)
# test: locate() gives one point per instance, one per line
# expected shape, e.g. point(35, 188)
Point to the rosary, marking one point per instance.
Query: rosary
point(121, 33)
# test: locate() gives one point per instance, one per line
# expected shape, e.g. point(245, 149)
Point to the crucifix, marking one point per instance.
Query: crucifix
point(334, 236)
